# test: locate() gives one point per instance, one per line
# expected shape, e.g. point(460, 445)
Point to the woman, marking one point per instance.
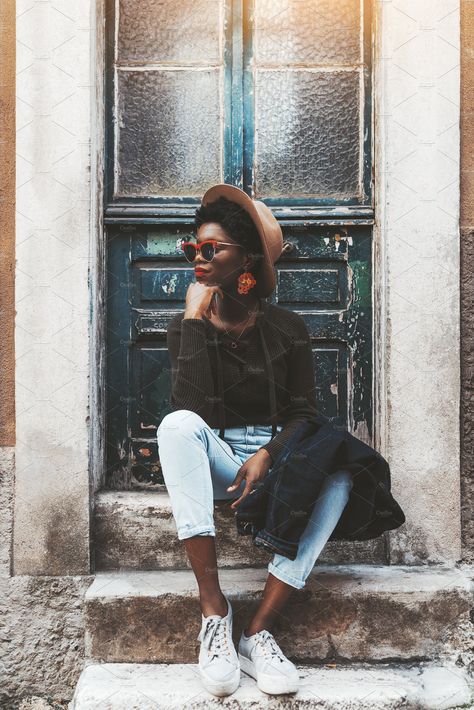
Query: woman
point(240, 361)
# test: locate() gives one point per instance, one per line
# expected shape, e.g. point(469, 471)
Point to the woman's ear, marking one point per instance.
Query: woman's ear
point(249, 263)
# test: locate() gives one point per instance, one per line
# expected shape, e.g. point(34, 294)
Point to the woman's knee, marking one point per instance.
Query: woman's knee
point(180, 421)
point(340, 482)
point(343, 478)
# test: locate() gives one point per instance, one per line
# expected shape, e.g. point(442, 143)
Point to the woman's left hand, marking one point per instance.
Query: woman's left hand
point(253, 470)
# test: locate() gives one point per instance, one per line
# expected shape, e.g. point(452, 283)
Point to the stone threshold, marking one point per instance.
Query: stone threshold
point(125, 686)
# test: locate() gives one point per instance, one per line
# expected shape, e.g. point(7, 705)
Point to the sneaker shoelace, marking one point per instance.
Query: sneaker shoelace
point(270, 647)
point(214, 634)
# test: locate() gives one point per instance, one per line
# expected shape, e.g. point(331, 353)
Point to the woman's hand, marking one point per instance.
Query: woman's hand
point(201, 300)
point(254, 470)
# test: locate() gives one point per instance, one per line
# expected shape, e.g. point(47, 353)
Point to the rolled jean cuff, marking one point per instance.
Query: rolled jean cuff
point(186, 532)
point(263, 538)
point(298, 583)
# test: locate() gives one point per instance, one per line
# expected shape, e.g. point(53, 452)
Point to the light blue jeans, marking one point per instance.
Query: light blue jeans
point(198, 466)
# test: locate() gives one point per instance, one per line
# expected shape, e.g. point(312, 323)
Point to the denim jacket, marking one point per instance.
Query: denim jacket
point(276, 512)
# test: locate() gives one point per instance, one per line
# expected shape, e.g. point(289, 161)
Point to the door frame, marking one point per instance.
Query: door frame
point(416, 65)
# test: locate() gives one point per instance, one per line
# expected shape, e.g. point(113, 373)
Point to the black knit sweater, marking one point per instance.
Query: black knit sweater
point(266, 377)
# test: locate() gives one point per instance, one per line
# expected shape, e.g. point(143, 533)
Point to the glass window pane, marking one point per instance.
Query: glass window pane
point(169, 132)
point(307, 138)
point(170, 31)
point(307, 31)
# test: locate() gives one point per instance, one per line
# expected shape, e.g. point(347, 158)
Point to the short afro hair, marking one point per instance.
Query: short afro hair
point(237, 223)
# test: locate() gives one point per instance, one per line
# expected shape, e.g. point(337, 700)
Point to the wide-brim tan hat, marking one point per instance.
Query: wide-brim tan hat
point(267, 226)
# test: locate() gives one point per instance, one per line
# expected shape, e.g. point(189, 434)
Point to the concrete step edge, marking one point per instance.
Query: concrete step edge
point(396, 580)
point(349, 613)
point(128, 686)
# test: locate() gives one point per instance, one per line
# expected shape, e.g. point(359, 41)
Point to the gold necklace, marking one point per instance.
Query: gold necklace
point(234, 341)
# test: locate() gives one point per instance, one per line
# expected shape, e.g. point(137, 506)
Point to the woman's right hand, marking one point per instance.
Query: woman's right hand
point(201, 300)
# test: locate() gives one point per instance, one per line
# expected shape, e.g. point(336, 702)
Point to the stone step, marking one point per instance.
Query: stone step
point(136, 530)
point(128, 686)
point(353, 612)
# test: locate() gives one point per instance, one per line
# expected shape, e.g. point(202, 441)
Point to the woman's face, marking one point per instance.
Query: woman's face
point(228, 261)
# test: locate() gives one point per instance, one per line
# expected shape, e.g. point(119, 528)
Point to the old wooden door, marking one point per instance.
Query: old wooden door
point(273, 96)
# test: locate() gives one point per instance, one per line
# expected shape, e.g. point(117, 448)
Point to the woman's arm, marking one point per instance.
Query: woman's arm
point(301, 389)
point(192, 384)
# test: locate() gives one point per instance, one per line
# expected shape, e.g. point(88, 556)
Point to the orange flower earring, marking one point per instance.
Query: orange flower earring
point(246, 281)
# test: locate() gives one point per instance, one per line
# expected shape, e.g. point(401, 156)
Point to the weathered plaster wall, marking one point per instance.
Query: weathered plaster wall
point(42, 621)
point(97, 272)
point(42, 624)
point(467, 279)
point(53, 231)
point(7, 222)
point(7, 477)
point(42, 637)
point(7, 281)
point(417, 179)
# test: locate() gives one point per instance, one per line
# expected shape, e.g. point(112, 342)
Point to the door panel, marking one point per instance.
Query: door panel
point(186, 122)
point(297, 153)
point(152, 31)
point(168, 78)
point(307, 32)
point(307, 78)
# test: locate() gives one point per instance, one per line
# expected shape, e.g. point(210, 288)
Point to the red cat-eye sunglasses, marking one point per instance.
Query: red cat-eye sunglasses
point(207, 248)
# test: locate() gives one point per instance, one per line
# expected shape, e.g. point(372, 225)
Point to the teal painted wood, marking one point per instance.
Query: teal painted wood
point(367, 147)
point(326, 278)
point(248, 103)
point(118, 396)
point(229, 157)
point(306, 215)
point(236, 117)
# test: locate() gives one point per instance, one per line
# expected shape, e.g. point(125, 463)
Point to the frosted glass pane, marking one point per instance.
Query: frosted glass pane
point(169, 137)
point(166, 30)
point(307, 31)
point(307, 133)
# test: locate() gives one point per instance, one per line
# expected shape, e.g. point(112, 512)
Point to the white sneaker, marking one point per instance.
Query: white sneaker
point(219, 665)
point(262, 658)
